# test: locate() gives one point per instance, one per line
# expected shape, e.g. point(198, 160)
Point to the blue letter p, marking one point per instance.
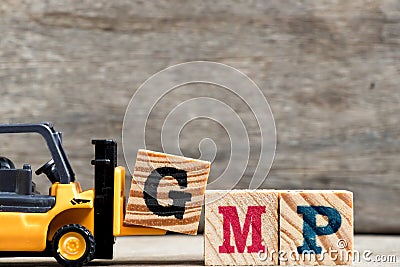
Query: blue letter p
point(311, 230)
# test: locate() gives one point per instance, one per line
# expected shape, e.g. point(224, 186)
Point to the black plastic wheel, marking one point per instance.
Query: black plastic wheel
point(73, 245)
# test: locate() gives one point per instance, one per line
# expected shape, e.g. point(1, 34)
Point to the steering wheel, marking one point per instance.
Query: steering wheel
point(6, 163)
point(49, 168)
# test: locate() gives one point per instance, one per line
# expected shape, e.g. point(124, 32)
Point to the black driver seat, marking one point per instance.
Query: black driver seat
point(16, 190)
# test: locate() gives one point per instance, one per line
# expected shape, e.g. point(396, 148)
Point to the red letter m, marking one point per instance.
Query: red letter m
point(253, 218)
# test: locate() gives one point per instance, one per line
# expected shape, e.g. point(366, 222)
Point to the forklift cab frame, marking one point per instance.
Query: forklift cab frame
point(17, 192)
point(62, 172)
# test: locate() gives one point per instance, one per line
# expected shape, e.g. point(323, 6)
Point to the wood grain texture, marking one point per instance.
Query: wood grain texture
point(330, 71)
point(195, 178)
point(241, 200)
point(291, 227)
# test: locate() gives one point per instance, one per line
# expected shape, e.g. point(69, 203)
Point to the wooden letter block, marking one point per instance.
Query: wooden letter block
point(167, 192)
point(241, 227)
point(316, 227)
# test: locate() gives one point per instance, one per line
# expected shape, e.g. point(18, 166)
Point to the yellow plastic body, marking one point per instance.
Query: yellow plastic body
point(29, 231)
point(119, 228)
point(21, 231)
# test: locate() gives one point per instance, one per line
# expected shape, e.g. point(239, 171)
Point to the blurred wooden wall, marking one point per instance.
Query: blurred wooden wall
point(330, 71)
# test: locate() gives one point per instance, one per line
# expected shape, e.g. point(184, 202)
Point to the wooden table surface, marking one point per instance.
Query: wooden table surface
point(182, 250)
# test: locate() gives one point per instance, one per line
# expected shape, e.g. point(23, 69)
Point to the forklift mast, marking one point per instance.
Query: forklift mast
point(104, 164)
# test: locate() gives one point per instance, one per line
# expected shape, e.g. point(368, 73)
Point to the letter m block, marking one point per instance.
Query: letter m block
point(241, 227)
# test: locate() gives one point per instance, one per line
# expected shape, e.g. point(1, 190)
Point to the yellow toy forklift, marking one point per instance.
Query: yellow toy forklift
point(72, 225)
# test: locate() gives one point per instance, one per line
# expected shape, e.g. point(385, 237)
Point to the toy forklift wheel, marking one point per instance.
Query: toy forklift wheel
point(73, 245)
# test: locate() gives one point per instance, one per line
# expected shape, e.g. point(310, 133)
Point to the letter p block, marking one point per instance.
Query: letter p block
point(316, 227)
point(241, 227)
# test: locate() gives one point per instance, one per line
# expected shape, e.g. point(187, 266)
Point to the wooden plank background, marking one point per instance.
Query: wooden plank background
point(330, 71)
